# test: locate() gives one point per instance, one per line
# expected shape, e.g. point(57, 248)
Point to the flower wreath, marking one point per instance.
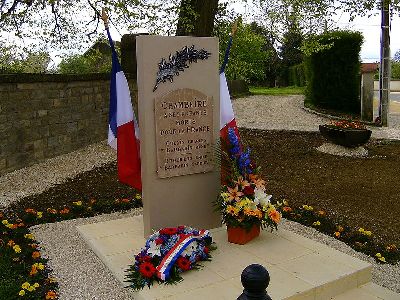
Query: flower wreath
point(167, 253)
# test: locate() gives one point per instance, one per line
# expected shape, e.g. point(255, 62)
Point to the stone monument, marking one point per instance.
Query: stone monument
point(178, 95)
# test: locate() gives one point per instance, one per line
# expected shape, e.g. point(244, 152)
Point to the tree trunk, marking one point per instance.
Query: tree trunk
point(196, 17)
point(384, 72)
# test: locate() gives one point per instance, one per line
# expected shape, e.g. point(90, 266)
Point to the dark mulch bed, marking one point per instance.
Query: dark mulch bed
point(364, 192)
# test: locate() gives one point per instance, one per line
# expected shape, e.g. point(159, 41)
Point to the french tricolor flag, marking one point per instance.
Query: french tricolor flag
point(227, 116)
point(123, 130)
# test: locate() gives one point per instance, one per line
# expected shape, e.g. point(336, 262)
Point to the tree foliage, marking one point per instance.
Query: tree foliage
point(14, 61)
point(248, 54)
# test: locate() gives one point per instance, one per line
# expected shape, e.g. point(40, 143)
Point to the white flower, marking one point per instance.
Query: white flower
point(261, 197)
point(189, 249)
point(154, 249)
point(265, 201)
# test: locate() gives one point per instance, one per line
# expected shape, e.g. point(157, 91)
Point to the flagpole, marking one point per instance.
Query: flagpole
point(228, 49)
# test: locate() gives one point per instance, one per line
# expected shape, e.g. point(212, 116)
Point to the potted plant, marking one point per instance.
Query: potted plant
point(346, 133)
point(243, 203)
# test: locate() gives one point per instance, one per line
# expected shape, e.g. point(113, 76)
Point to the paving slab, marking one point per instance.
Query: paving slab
point(299, 268)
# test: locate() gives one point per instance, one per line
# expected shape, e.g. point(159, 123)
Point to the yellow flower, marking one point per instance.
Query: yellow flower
point(31, 288)
point(25, 285)
point(337, 234)
point(246, 202)
point(40, 266)
point(308, 207)
point(5, 222)
point(317, 223)
point(21, 293)
point(17, 249)
point(36, 285)
point(39, 214)
point(225, 196)
point(29, 236)
point(77, 203)
point(232, 210)
point(138, 196)
point(380, 257)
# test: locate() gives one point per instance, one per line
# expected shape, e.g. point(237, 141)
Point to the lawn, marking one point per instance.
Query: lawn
point(289, 90)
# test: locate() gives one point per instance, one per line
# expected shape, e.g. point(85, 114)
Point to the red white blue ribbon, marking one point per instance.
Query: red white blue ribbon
point(163, 269)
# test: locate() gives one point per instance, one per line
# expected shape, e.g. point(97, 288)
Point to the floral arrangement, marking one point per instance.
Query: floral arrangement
point(168, 253)
point(243, 201)
point(347, 124)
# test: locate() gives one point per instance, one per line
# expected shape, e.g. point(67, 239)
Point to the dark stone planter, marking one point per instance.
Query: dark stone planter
point(349, 137)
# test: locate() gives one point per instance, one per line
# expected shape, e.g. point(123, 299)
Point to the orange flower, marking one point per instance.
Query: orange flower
point(30, 211)
point(1, 215)
point(64, 211)
point(14, 226)
point(33, 271)
point(92, 201)
point(287, 209)
point(234, 193)
point(51, 295)
point(259, 183)
point(35, 254)
point(21, 224)
point(322, 213)
point(11, 243)
point(275, 216)
point(52, 211)
point(34, 246)
point(125, 200)
point(241, 182)
point(340, 228)
point(337, 234)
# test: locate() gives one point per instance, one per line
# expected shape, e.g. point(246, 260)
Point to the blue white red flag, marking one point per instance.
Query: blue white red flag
point(227, 116)
point(123, 130)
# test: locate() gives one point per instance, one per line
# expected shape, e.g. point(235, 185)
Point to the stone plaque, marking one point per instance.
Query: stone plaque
point(184, 133)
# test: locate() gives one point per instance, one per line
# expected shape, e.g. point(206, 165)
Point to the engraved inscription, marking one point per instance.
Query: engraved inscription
point(184, 133)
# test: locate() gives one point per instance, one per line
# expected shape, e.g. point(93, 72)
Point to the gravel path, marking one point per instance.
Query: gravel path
point(288, 113)
point(37, 178)
point(82, 275)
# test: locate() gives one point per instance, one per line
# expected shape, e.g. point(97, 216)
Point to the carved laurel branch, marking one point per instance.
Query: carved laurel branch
point(178, 63)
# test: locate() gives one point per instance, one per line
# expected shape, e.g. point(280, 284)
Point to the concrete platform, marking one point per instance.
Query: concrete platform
point(299, 268)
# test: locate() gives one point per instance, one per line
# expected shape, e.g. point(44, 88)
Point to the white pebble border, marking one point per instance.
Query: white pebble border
point(342, 151)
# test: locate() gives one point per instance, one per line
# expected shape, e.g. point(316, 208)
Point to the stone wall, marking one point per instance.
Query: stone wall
point(42, 116)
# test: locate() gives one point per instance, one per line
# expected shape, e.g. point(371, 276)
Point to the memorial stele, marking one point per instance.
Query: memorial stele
point(178, 108)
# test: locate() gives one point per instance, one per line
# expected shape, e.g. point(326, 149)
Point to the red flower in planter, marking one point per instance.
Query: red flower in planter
point(147, 269)
point(248, 190)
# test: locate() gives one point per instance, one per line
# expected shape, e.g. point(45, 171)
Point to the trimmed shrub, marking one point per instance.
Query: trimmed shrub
point(333, 73)
point(297, 76)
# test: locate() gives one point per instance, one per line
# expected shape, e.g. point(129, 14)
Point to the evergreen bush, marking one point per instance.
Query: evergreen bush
point(297, 76)
point(333, 72)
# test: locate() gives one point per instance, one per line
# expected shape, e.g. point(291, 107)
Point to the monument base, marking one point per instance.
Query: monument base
point(299, 268)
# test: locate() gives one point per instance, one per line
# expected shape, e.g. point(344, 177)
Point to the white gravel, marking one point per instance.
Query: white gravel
point(82, 275)
point(343, 151)
point(37, 178)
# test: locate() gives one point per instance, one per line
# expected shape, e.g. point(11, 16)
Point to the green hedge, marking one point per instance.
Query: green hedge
point(297, 76)
point(333, 73)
